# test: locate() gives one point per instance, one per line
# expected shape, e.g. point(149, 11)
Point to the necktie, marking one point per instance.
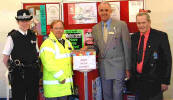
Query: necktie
point(24, 34)
point(105, 32)
point(140, 52)
point(62, 41)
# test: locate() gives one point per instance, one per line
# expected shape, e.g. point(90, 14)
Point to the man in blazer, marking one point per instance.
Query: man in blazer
point(151, 70)
point(113, 54)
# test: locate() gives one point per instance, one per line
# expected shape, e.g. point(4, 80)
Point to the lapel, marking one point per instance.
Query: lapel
point(135, 46)
point(137, 41)
point(112, 28)
point(101, 40)
point(148, 47)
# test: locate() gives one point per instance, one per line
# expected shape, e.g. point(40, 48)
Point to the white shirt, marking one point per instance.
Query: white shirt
point(9, 44)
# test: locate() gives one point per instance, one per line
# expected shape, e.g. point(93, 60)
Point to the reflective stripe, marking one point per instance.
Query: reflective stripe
point(66, 55)
point(46, 82)
point(58, 74)
point(68, 43)
point(56, 49)
point(47, 49)
point(56, 52)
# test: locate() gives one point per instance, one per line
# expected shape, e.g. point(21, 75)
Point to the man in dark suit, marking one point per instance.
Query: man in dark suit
point(151, 60)
point(112, 40)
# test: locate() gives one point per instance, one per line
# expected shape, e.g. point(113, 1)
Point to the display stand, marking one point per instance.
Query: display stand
point(86, 84)
point(83, 81)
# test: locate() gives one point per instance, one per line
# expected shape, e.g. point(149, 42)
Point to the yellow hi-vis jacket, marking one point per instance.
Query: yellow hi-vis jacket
point(57, 66)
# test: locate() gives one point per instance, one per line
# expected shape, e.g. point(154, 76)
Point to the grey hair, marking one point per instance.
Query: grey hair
point(144, 13)
point(104, 2)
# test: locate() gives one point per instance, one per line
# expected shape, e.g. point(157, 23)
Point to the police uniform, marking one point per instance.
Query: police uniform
point(24, 67)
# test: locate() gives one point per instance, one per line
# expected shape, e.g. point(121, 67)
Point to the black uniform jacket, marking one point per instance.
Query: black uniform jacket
point(156, 66)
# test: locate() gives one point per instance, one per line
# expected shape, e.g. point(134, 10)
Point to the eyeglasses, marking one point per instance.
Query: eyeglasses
point(58, 28)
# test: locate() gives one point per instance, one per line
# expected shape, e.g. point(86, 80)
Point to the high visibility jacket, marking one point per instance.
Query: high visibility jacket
point(57, 66)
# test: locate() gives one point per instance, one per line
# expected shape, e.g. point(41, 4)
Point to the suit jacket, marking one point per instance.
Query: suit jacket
point(113, 56)
point(157, 63)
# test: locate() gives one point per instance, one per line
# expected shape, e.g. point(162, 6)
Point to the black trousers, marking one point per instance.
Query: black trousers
point(27, 87)
point(158, 96)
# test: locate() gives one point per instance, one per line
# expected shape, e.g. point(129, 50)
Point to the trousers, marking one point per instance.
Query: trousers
point(112, 89)
point(25, 87)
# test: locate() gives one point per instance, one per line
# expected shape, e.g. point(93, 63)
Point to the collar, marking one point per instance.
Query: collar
point(146, 34)
point(52, 36)
point(108, 23)
point(22, 32)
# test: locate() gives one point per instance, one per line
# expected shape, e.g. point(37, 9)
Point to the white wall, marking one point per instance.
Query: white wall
point(7, 20)
point(161, 16)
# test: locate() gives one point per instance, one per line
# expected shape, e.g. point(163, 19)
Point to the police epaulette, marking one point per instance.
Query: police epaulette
point(10, 33)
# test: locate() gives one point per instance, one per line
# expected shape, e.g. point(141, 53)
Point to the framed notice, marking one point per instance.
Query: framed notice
point(115, 10)
point(134, 7)
point(53, 12)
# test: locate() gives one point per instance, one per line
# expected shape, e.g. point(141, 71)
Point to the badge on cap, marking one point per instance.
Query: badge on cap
point(24, 14)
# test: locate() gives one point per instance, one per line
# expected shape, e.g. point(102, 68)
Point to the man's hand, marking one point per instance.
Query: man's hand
point(84, 48)
point(127, 74)
point(62, 82)
point(164, 87)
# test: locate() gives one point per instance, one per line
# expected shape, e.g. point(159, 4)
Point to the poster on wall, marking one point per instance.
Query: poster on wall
point(75, 37)
point(67, 1)
point(88, 39)
point(115, 0)
point(38, 23)
point(43, 19)
point(115, 10)
point(96, 89)
point(134, 7)
point(53, 12)
point(82, 13)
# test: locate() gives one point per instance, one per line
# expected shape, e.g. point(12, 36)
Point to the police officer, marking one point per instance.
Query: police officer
point(20, 49)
